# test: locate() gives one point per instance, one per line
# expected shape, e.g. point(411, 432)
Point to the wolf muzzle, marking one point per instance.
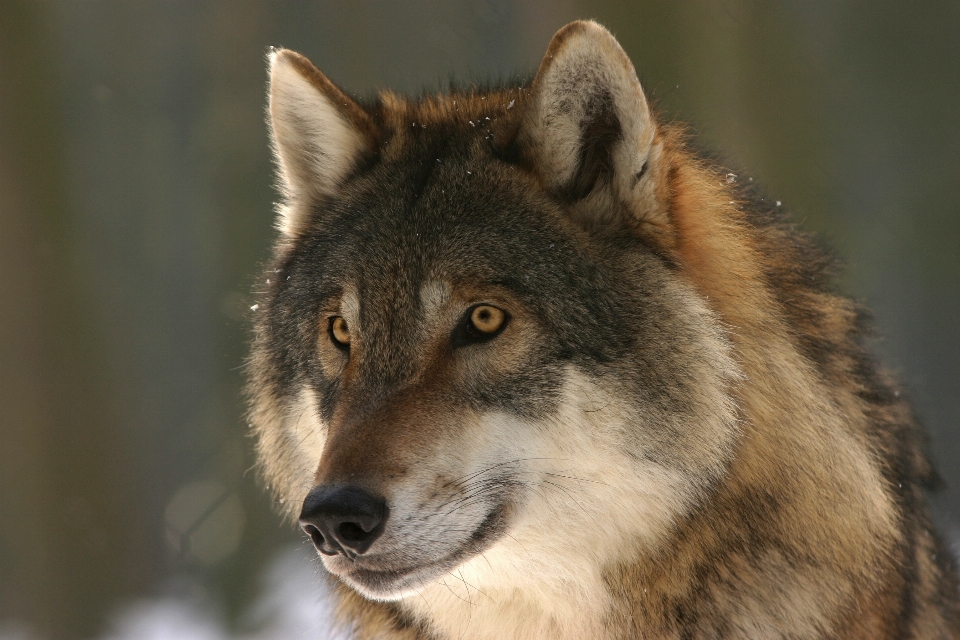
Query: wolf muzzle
point(342, 519)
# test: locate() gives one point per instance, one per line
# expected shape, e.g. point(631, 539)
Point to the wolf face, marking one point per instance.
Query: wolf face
point(456, 432)
point(519, 345)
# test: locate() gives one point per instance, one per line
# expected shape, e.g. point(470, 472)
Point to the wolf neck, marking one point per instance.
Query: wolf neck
point(495, 614)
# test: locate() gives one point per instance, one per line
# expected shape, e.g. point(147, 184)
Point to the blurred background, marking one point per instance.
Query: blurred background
point(136, 205)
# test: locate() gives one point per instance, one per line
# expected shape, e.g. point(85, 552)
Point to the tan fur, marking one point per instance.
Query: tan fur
point(762, 508)
point(317, 131)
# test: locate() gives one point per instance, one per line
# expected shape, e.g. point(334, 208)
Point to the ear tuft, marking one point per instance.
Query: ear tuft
point(588, 119)
point(319, 133)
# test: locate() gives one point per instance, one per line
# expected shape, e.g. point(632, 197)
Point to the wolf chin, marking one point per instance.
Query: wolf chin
point(528, 367)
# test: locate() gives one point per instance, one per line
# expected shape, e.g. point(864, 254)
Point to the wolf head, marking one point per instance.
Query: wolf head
point(477, 352)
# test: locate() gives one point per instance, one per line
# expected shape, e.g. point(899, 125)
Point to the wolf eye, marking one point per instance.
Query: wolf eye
point(339, 332)
point(480, 323)
point(486, 319)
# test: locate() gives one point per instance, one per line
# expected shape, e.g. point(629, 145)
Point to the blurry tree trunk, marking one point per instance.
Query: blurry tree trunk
point(62, 527)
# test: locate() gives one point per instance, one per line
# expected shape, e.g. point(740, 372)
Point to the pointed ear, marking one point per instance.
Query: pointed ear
point(588, 124)
point(319, 133)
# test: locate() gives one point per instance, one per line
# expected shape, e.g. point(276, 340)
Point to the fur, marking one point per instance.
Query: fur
point(678, 433)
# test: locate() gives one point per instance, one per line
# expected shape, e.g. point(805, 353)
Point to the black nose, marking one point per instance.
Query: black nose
point(342, 519)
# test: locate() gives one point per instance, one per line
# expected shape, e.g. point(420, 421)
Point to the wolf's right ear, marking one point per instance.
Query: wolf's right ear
point(588, 129)
point(319, 133)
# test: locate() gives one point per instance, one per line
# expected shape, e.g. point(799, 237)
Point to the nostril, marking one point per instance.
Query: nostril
point(352, 532)
point(315, 536)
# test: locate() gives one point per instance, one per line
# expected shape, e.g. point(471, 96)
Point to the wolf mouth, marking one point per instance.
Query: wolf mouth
point(390, 583)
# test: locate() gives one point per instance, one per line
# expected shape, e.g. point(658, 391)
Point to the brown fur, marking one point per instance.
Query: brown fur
point(819, 526)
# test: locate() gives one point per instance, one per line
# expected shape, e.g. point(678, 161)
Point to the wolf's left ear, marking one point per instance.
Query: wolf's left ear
point(319, 133)
point(588, 121)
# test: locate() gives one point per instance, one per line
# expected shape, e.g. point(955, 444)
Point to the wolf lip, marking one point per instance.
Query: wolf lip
point(365, 572)
point(378, 579)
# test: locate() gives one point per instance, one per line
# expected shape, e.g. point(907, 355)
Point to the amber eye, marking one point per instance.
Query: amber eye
point(487, 320)
point(339, 332)
point(479, 324)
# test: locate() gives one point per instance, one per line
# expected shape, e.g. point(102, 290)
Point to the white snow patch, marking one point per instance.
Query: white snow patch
point(295, 604)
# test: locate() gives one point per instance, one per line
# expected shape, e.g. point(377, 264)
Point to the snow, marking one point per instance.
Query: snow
point(294, 604)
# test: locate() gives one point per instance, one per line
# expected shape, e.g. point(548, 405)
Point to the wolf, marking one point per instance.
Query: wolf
point(528, 366)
